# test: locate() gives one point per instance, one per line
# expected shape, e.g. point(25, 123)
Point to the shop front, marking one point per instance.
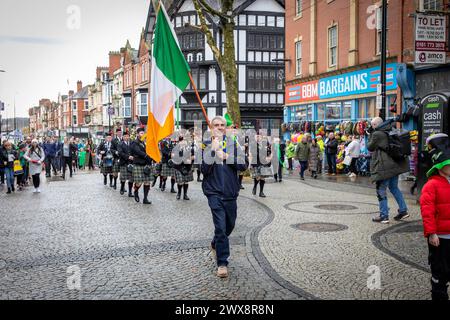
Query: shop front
point(343, 104)
point(345, 97)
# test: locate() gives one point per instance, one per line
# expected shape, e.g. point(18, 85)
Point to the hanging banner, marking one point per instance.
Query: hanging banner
point(430, 39)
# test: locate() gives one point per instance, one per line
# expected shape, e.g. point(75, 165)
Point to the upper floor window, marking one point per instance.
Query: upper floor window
point(74, 105)
point(265, 41)
point(434, 5)
point(143, 73)
point(332, 46)
point(199, 76)
point(263, 79)
point(298, 7)
point(86, 104)
point(298, 58)
point(192, 41)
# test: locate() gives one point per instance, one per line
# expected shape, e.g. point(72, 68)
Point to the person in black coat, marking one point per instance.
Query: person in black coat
point(107, 159)
point(142, 166)
point(126, 159)
point(115, 151)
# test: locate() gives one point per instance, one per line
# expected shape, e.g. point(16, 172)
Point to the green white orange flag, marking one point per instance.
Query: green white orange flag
point(169, 78)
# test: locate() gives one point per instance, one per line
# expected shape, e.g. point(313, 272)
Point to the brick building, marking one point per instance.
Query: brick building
point(333, 59)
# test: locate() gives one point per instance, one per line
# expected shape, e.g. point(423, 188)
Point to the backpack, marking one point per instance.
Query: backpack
point(399, 145)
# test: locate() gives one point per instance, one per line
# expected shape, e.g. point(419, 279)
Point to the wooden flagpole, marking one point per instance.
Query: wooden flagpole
point(200, 101)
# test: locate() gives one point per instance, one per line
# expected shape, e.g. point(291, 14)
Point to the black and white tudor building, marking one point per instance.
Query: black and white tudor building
point(259, 42)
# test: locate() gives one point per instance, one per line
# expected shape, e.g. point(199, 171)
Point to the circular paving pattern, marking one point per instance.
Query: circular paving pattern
point(333, 207)
point(404, 242)
point(319, 227)
point(337, 207)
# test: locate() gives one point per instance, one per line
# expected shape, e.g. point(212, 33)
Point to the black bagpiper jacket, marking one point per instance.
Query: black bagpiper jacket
point(124, 152)
point(115, 143)
point(139, 154)
point(102, 147)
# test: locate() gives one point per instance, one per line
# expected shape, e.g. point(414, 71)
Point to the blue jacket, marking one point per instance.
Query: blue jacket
point(49, 149)
point(221, 179)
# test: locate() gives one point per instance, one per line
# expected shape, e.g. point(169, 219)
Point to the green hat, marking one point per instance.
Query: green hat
point(440, 158)
point(228, 118)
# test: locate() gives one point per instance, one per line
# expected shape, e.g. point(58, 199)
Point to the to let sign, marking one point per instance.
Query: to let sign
point(430, 39)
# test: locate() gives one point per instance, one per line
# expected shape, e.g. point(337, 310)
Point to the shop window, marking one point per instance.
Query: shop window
point(362, 108)
point(333, 111)
point(347, 110)
point(372, 111)
point(320, 112)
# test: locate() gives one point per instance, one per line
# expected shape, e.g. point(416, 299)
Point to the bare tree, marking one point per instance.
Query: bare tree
point(226, 59)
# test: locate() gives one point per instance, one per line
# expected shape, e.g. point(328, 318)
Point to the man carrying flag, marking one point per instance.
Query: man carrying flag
point(169, 78)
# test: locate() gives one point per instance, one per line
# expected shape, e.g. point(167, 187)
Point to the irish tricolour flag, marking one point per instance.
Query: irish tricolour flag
point(169, 78)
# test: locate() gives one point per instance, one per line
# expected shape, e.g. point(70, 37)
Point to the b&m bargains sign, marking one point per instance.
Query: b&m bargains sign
point(348, 84)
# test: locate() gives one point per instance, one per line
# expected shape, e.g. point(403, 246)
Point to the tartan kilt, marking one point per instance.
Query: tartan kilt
point(139, 176)
point(255, 173)
point(105, 170)
point(125, 175)
point(116, 166)
point(166, 171)
point(180, 178)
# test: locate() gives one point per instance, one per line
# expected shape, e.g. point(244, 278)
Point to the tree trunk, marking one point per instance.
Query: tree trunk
point(229, 71)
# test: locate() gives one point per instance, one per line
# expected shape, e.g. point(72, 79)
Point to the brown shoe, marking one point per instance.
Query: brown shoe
point(222, 272)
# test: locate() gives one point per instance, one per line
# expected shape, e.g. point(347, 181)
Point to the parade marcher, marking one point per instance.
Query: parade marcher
point(114, 148)
point(261, 164)
point(142, 166)
point(107, 159)
point(220, 185)
point(384, 171)
point(183, 170)
point(435, 210)
point(35, 156)
point(315, 160)
point(126, 164)
point(302, 155)
point(74, 154)
point(166, 170)
point(8, 155)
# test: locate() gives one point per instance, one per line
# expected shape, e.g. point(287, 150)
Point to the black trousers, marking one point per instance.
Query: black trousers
point(49, 164)
point(67, 161)
point(2, 175)
point(36, 180)
point(439, 260)
point(353, 165)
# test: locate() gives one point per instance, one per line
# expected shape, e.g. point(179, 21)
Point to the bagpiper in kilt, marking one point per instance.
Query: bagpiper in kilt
point(142, 166)
point(107, 159)
point(115, 149)
point(165, 171)
point(261, 170)
point(183, 171)
point(126, 164)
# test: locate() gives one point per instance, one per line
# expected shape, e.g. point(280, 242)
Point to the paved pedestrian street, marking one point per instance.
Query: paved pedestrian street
point(313, 239)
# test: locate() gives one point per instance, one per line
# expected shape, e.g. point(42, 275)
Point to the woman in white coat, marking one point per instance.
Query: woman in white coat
point(35, 156)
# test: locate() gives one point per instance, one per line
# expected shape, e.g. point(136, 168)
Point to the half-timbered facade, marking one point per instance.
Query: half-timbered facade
point(259, 42)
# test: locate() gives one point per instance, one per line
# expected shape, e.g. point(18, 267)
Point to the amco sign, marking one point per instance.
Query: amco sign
point(347, 84)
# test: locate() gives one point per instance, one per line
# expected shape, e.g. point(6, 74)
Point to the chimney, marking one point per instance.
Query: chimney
point(79, 86)
point(114, 62)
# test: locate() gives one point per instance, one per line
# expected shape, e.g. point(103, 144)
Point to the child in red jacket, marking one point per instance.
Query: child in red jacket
point(435, 210)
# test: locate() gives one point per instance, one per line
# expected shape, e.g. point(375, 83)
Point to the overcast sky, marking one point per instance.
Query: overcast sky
point(44, 43)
